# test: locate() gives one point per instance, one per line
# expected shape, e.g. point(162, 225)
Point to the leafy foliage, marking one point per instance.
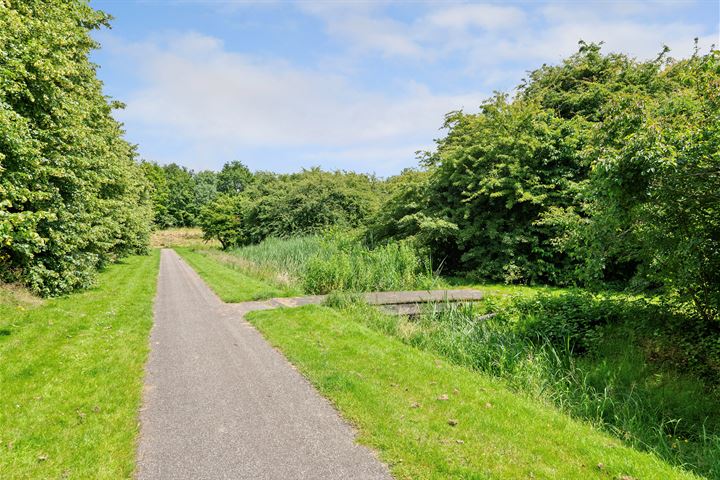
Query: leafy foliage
point(302, 203)
point(221, 220)
point(180, 194)
point(233, 178)
point(72, 197)
point(601, 169)
point(496, 173)
point(657, 182)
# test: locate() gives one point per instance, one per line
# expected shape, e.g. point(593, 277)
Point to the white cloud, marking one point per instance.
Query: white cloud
point(365, 28)
point(488, 34)
point(197, 91)
point(557, 42)
point(489, 17)
point(198, 100)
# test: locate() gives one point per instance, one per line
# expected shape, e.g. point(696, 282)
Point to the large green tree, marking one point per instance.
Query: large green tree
point(72, 197)
point(601, 169)
point(655, 192)
point(233, 178)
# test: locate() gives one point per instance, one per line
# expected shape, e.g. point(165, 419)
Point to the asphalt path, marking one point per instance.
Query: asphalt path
point(221, 403)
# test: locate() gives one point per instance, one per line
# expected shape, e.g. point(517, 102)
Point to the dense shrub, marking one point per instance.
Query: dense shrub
point(602, 169)
point(577, 321)
point(72, 198)
point(657, 182)
point(180, 194)
point(292, 204)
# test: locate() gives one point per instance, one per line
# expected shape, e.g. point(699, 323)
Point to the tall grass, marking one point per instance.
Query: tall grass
point(611, 384)
point(323, 264)
point(356, 268)
point(283, 255)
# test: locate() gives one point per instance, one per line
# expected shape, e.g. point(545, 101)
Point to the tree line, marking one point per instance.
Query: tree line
point(600, 171)
point(72, 196)
point(179, 194)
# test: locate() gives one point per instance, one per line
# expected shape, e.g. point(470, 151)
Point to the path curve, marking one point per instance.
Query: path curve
point(221, 403)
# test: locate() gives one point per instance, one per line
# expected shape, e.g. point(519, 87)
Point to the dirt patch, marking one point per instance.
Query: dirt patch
point(16, 295)
point(180, 237)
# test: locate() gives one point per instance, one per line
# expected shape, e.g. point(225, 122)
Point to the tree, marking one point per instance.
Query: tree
point(205, 186)
point(181, 205)
point(72, 197)
point(494, 176)
point(295, 204)
point(656, 185)
point(159, 192)
point(221, 220)
point(233, 178)
point(601, 169)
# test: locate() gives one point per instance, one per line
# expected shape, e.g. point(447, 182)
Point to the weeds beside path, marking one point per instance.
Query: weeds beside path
point(71, 375)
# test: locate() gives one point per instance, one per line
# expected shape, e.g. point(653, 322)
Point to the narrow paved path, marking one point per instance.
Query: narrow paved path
point(221, 403)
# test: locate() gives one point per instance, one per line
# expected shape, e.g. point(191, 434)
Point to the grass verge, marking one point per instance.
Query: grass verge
point(431, 419)
point(228, 280)
point(71, 376)
point(593, 358)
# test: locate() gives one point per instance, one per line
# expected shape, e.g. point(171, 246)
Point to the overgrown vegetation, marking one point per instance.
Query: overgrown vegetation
point(179, 194)
point(432, 419)
point(72, 197)
point(602, 169)
point(326, 263)
point(71, 376)
point(293, 204)
point(651, 383)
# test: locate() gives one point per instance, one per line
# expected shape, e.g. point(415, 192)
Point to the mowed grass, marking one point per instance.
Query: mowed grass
point(229, 282)
point(71, 376)
point(395, 395)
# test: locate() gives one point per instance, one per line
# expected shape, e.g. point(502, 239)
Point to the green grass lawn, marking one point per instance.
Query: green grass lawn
point(71, 376)
point(394, 394)
point(229, 282)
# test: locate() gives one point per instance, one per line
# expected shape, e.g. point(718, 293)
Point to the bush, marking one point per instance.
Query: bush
point(72, 197)
point(578, 321)
point(295, 204)
point(602, 169)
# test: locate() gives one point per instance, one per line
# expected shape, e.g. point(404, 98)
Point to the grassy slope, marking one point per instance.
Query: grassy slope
point(71, 372)
point(228, 282)
point(374, 380)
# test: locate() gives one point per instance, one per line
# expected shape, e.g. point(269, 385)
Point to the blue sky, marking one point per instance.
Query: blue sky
point(349, 85)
